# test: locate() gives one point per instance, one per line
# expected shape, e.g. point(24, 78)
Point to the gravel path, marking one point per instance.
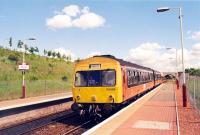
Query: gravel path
point(189, 118)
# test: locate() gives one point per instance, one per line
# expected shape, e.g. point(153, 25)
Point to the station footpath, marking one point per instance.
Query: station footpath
point(153, 114)
point(10, 104)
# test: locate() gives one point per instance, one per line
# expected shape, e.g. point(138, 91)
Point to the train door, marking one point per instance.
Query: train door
point(154, 80)
point(124, 85)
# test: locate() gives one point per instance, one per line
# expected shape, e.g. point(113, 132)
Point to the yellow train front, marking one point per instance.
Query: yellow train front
point(97, 80)
point(101, 84)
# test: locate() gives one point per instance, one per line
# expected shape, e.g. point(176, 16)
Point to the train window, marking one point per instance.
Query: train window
point(108, 78)
point(141, 77)
point(132, 77)
point(151, 77)
point(138, 76)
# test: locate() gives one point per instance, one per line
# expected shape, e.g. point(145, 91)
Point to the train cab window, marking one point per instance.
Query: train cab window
point(81, 79)
point(108, 78)
point(95, 78)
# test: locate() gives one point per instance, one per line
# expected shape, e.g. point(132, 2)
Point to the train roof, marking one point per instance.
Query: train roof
point(125, 63)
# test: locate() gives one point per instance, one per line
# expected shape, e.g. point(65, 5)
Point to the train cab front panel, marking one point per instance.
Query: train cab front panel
point(97, 80)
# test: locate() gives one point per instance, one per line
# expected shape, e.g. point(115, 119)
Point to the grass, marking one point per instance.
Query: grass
point(197, 90)
point(44, 76)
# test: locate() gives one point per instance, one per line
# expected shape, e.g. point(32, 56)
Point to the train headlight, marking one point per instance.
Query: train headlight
point(93, 98)
point(78, 97)
point(111, 98)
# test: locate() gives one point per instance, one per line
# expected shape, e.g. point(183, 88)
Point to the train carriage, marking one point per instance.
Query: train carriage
point(103, 82)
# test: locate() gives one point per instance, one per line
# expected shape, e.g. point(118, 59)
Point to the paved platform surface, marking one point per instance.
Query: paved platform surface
point(155, 114)
point(4, 105)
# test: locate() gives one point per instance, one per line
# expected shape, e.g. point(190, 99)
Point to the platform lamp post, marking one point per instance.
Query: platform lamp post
point(24, 67)
point(163, 9)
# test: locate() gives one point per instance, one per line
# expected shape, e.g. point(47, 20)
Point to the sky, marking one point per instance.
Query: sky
point(128, 29)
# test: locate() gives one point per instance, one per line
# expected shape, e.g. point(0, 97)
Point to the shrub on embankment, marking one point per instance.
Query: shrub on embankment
point(45, 75)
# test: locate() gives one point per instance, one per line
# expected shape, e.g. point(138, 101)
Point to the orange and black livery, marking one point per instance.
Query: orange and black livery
point(102, 83)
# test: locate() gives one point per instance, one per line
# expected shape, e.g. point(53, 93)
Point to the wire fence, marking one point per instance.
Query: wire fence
point(13, 89)
point(193, 86)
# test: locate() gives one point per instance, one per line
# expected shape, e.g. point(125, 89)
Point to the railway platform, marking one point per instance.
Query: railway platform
point(16, 103)
point(153, 114)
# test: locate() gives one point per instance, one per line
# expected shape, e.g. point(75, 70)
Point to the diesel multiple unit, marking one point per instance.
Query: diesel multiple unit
point(102, 83)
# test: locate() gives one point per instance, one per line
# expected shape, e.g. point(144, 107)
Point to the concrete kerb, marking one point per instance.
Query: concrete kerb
point(34, 103)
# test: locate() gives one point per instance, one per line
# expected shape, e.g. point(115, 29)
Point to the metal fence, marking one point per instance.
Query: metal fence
point(13, 89)
point(193, 86)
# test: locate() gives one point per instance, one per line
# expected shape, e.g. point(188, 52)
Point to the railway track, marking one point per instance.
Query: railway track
point(31, 125)
point(76, 129)
point(62, 123)
point(64, 126)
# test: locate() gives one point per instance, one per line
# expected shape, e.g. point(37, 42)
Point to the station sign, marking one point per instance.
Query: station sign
point(23, 66)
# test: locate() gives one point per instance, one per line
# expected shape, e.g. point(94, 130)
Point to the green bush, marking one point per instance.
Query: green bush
point(33, 78)
point(64, 78)
point(14, 57)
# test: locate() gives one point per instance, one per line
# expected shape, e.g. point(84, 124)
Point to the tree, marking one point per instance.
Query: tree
point(45, 52)
point(10, 42)
point(64, 56)
point(68, 58)
point(36, 49)
point(26, 48)
point(19, 44)
point(193, 71)
point(58, 55)
point(49, 53)
point(31, 50)
point(54, 54)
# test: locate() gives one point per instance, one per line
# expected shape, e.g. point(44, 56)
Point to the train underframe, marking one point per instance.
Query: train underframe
point(94, 111)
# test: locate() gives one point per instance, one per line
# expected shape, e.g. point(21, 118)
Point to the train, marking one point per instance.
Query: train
point(102, 83)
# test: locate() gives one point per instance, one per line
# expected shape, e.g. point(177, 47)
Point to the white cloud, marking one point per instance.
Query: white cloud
point(195, 35)
point(155, 56)
point(89, 20)
point(144, 52)
point(72, 10)
point(196, 51)
point(67, 53)
point(73, 16)
point(59, 21)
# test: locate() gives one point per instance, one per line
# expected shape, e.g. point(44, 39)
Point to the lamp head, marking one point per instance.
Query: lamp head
point(163, 9)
